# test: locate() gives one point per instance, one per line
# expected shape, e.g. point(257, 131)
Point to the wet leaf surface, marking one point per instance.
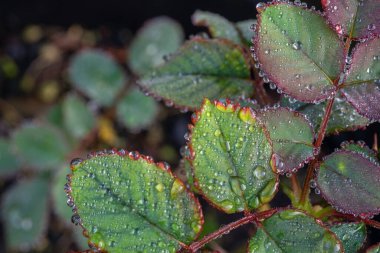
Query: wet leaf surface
point(127, 203)
point(200, 69)
point(291, 136)
point(292, 231)
point(362, 87)
point(358, 147)
point(158, 37)
point(352, 235)
point(61, 206)
point(298, 51)
point(232, 157)
point(350, 183)
point(97, 75)
point(353, 18)
point(343, 117)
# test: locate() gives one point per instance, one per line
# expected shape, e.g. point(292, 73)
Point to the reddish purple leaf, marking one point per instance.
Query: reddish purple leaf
point(362, 86)
point(350, 182)
point(298, 51)
point(354, 18)
point(291, 138)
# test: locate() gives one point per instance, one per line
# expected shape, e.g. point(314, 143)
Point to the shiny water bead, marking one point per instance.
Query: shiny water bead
point(147, 194)
point(232, 135)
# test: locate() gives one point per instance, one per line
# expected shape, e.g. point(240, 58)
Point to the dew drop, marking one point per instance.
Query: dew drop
point(297, 45)
point(312, 184)
point(259, 172)
point(159, 187)
point(371, 27)
point(75, 162)
point(227, 205)
point(272, 86)
point(70, 202)
point(260, 7)
point(237, 185)
point(217, 133)
point(75, 219)
point(177, 188)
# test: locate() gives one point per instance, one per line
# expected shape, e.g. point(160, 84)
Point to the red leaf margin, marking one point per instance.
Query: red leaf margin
point(133, 155)
point(255, 41)
point(228, 105)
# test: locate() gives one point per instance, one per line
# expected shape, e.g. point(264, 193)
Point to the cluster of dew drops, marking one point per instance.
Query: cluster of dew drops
point(296, 45)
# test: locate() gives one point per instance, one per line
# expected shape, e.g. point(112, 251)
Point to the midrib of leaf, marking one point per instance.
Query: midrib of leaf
point(304, 53)
point(353, 22)
point(358, 185)
point(291, 141)
point(233, 165)
point(136, 213)
point(354, 83)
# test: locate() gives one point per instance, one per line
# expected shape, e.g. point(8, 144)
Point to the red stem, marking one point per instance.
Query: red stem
point(255, 217)
point(371, 223)
point(317, 145)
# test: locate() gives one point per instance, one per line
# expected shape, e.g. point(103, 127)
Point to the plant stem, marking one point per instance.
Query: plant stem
point(228, 228)
point(295, 186)
point(317, 146)
point(369, 222)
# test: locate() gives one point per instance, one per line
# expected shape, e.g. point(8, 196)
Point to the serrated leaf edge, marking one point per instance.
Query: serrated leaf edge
point(133, 155)
point(228, 105)
point(170, 103)
point(255, 42)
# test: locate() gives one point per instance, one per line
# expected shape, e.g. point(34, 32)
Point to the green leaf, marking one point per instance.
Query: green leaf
point(127, 203)
point(231, 157)
point(201, 68)
point(9, 162)
point(185, 173)
point(40, 146)
point(291, 136)
point(158, 37)
point(218, 26)
point(61, 207)
point(362, 85)
point(292, 231)
point(358, 147)
point(343, 117)
point(353, 18)
point(97, 75)
point(59, 197)
point(54, 116)
point(352, 235)
point(298, 51)
point(374, 249)
point(244, 27)
point(78, 119)
point(350, 183)
point(136, 111)
point(25, 213)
